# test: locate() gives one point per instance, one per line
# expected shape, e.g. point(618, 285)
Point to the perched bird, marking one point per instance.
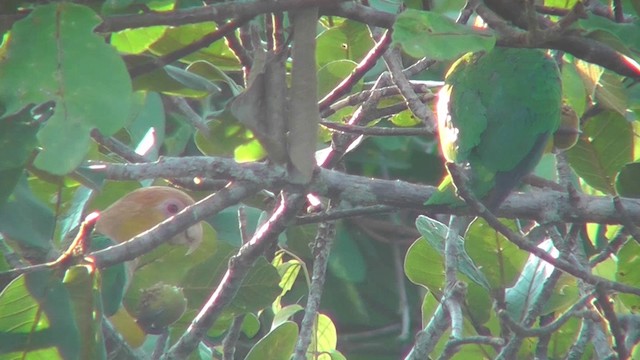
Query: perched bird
point(496, 113)
point(136, 212)
point(144, 208)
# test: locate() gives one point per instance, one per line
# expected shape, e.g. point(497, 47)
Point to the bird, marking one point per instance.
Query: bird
point(144, 208)
point(134, 213)
point(496, 114)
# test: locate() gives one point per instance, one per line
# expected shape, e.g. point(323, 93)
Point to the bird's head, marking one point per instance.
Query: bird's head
point(144, 208)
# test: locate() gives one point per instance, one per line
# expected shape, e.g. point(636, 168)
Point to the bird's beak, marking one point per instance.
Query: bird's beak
point(193, 237)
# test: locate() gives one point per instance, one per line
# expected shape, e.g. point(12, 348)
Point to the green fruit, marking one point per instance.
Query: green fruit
point(569, 131)
point(160, 306)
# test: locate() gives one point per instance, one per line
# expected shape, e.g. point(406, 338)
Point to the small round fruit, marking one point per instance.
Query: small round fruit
point(160, 306)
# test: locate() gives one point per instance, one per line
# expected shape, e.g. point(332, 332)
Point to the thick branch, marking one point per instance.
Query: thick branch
point(216, 12)
point(544, 205)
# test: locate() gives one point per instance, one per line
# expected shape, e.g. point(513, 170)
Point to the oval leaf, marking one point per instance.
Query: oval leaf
point(432, 35)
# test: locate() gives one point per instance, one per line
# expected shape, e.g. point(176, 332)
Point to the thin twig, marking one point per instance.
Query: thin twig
point(420, 110)
point(191, 116)
point(161, 343)
point(375, 131)
point(361, 69)
point(321, 250)
point(550, 328)
point(230, 340)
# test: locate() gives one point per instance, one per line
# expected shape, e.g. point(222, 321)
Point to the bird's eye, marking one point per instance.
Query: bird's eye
point(173, 208)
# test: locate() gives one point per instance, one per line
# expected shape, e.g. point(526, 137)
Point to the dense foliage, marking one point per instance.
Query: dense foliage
point(340, 260)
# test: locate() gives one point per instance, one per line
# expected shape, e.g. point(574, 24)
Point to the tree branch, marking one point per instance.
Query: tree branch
point(542, 205)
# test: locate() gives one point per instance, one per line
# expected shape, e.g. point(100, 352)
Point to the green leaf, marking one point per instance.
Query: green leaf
point(136, 41)
point(285, 314)
point(17, 142)
point(175, 38)
point(113, 279)
point(526, 291)
point(626, 272)
point(561, 4)
point(288, 273)
point(191, 80)
point(278, 344)
point(603, 149)
point(250, 325)
point(346, 260)
point(333, 73)
point(326, 336)
point(214, 73)
point(432, 35)
point(225, 135)
point(603, 85)
point(350, 40)
point(84, 295)
point(435, 233)
point(147, 129)
point(573, 89)
point(37, 318)
point(625, 33)
point(226, 224)
point(18, 135)
point(258, 290)
point(26, 220)
point(499, 259)
point(58, 42)
point(627, 183)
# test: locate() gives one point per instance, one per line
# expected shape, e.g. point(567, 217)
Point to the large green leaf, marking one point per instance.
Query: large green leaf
point(84, 76)
point(499, 259)
point(628, 262)
point(627, 183)
point(625, 33)
point(278, 344)
point(348, 41)
point(83, 286)
point(435, 36)
point(333, 73)
point(346, 260)
point(27, 220)
point(147, 128)
point(605, 146)
point(37, 318)
point(176, 38)
point(136, 41)
point(258, 290)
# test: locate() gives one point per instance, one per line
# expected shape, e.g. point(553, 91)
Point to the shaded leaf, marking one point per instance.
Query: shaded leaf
point(191, 80)
point(627, 181)
point(603, 149)
point(346, 260)
point(27, 220)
